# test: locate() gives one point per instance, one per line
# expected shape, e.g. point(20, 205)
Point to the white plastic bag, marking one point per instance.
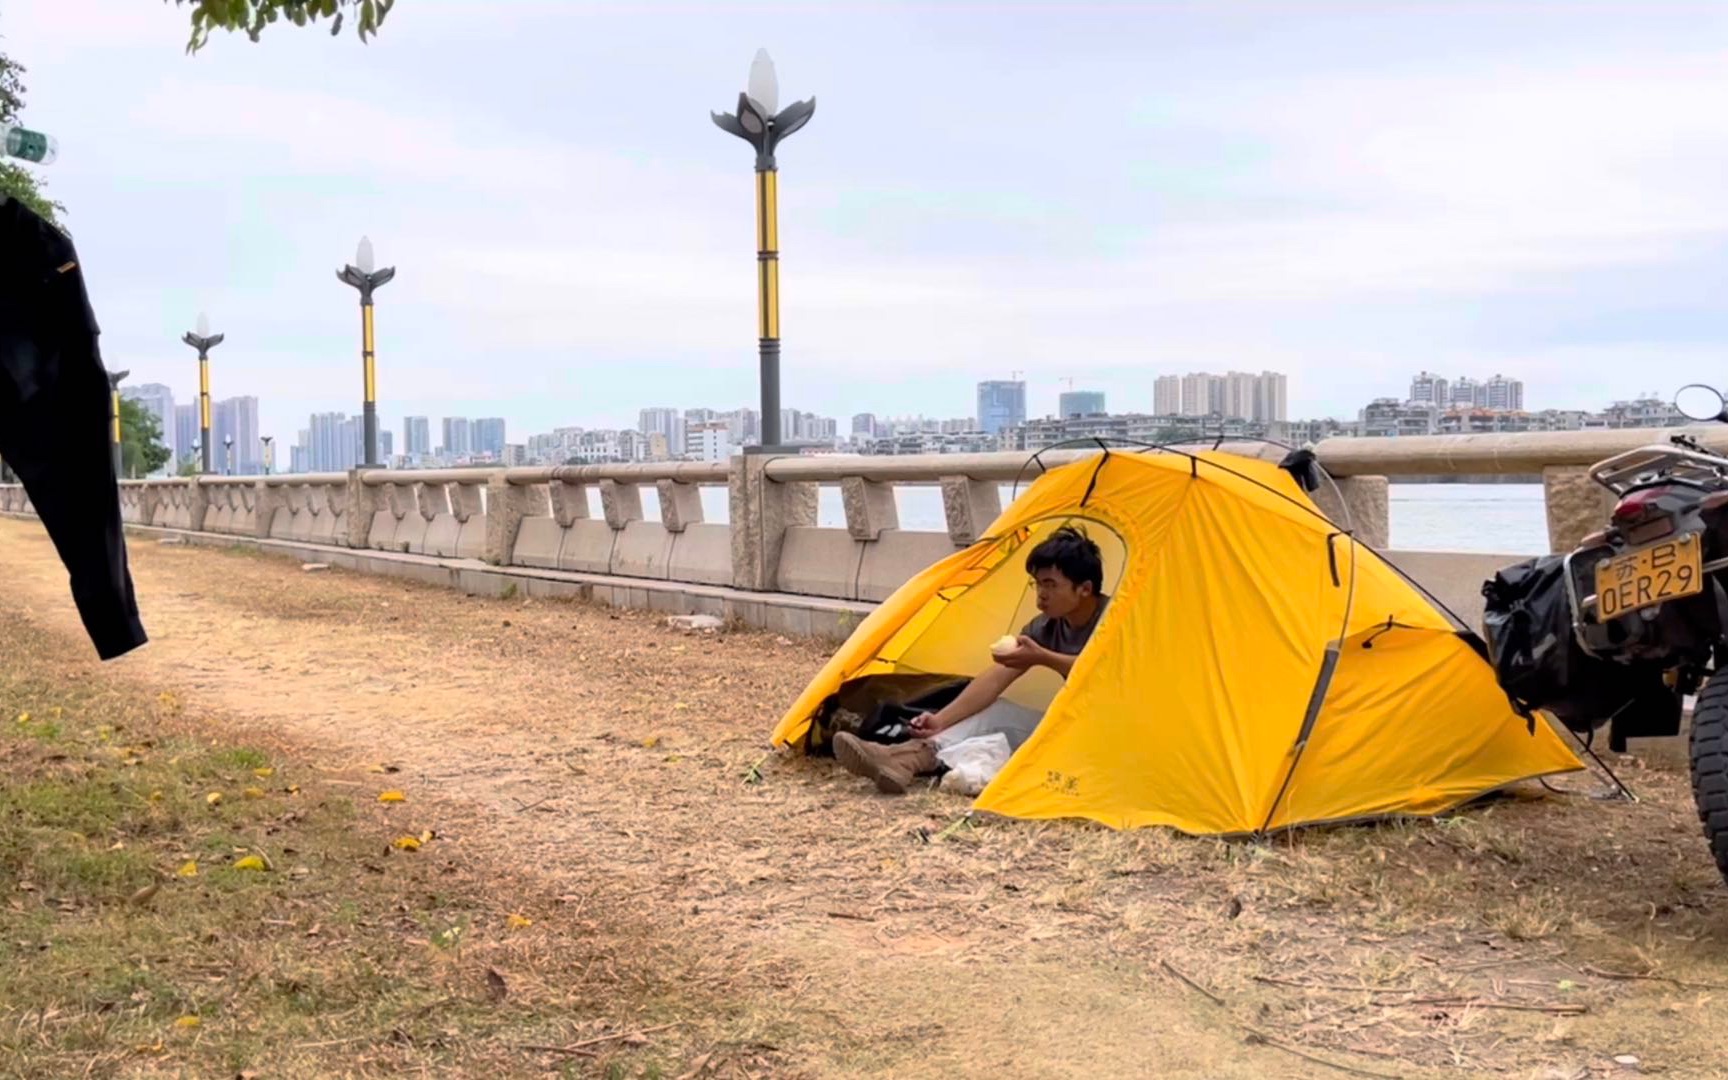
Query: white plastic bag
point(973, 763)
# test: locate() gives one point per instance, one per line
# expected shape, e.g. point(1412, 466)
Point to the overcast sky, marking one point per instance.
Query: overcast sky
point(1347, 192)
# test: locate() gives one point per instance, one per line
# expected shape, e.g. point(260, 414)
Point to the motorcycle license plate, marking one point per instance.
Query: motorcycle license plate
point(1671, 570)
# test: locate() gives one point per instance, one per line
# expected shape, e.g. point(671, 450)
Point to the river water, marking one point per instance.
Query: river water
point(1505, 519)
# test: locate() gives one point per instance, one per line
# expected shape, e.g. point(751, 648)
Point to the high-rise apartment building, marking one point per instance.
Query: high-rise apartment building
point(333, 442)
point(185, 430)
point(1430, 388)
point(745, 425)
point(663, 421)
point(1080, 403)
point(1241, 394)
point(1271, 397)
point(1503, 395)
point(237, 417)
point(458, 438)
point(158, 401)
point(1237, 395)
point(1001, 405)
point(1202, 394)
point(864, 426)
point(487, 435)
point(1167, 395)
point(1466, 394)
point(416, 436)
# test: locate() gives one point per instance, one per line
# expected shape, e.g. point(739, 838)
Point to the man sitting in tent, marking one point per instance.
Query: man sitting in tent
point(1068, 573)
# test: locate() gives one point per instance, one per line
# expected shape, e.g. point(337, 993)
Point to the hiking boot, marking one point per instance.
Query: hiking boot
point(893, 768)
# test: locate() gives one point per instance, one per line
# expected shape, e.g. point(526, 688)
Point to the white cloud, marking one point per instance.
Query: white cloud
point(1360, 218)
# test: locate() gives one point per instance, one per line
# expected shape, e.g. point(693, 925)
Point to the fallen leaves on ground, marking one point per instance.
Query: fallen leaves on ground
point(392, 796)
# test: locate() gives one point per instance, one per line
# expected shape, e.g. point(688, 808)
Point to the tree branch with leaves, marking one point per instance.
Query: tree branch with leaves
point(15, 179)
point(141, 449)
point(253, 17)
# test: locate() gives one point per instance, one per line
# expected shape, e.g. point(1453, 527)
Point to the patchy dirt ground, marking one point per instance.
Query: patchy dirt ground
point(1542, 935)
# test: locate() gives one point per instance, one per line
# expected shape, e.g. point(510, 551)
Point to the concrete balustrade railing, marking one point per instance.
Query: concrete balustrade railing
point(1576, 505)
point(432, 512)
point(588, 522)
point(543, 518)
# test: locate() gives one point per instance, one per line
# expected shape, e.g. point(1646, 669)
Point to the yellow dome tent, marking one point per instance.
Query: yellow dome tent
point(1256, 668)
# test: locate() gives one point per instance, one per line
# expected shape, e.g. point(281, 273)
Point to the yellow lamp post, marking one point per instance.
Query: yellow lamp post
point(114, 378)
point(361, 275)
point(203, 340)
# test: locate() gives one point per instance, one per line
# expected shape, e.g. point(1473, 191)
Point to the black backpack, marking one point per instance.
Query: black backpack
point(1527, 620)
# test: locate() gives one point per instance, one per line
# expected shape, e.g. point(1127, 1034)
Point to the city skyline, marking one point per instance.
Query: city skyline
point(1433, 404)
point(1278, 201)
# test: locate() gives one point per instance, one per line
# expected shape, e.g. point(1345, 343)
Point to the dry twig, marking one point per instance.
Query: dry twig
point(1337, 987)
point(1489, 1003)
point(1173, 973)
point(1631, 976)
point(1264, 1039)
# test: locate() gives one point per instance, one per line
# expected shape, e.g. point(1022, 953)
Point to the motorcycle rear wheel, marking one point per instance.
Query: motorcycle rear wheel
point(1709, 752)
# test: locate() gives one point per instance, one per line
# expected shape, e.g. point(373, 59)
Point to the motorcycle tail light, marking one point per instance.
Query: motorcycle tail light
point(1636, 505)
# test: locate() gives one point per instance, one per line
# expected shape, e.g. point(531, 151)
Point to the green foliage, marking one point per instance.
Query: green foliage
point(252, 16)
point(141, 449)
point(15, 180)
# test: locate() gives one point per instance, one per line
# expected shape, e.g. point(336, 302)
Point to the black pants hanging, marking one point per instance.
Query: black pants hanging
point(54, 434)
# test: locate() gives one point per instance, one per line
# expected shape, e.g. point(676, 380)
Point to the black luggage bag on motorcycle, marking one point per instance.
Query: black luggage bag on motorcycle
point(1527, 618)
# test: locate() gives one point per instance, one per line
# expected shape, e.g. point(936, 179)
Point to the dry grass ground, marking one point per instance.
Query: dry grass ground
point(801, 925)
point(178, 905)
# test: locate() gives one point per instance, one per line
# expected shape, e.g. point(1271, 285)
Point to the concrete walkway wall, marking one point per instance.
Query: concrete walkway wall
point(541, 519)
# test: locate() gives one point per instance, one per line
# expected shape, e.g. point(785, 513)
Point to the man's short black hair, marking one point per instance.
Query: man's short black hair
point(1071, 552)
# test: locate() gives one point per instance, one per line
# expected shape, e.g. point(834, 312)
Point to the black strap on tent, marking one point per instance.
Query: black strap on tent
point(1391, 625)
point(1322, 683)
point(1332, 557)
point(1316, 699)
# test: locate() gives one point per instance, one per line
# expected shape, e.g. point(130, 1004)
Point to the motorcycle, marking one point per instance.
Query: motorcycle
point(1620, 631)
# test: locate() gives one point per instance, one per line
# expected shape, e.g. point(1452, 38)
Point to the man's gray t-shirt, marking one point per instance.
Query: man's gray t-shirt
point(1060, 637)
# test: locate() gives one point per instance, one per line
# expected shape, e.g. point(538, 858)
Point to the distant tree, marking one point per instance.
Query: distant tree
point(252, 16)
point(141, 449)
point(15, 179)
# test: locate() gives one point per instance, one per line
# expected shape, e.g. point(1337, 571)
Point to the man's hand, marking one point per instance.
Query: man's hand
point(1025, 654)
point(927, 725)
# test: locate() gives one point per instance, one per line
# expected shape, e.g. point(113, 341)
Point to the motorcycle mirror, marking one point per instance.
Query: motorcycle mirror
point(1700, 402)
